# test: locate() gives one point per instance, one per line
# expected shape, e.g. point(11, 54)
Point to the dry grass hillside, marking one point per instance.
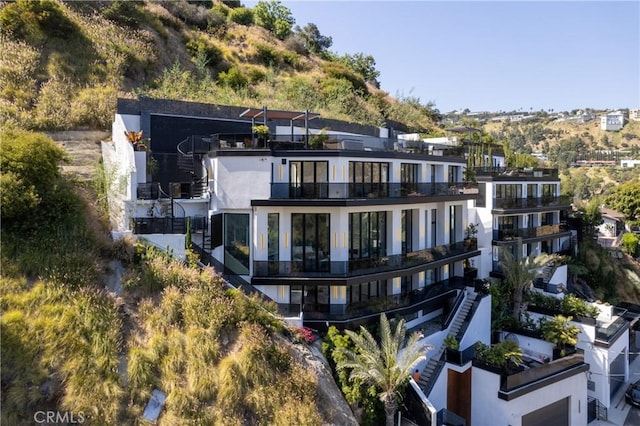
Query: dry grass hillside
point(64, 63)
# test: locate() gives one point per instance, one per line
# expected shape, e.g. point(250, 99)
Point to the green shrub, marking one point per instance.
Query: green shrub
point(233, 78)
point(241, 16)
point(93, 107)
point(338, 70)
point(124, 12)
point(630, 242)
point(275, 17)
point(292, 59)
point(212, 54)
point(36, 20)
point(255, 75)
point(267, 55)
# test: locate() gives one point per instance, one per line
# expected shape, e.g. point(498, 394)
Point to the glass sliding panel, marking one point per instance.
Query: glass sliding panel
point(297, 241)
point(236, 243)
point(273, 233)
point(323, 242)
point(434, 227)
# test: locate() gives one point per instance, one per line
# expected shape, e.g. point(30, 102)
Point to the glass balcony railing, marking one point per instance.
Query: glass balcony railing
point(528, 172)
point(348, 268)
point(343, 190)
point(611, 332)
point(401, 302)
point(531, 203)
point(525, 233)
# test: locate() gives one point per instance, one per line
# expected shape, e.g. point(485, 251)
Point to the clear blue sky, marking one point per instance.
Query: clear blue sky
point(492, 55)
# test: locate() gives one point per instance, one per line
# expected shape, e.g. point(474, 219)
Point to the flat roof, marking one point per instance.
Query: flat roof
point(278, 114)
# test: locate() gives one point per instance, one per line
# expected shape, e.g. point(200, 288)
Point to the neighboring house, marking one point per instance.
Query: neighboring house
point(634, 114)
point(612, 121)
point(611, 227)
point(629, 163)
point(520, 206)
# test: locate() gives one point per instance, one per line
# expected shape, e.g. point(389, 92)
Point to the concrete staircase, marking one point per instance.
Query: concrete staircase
point(428, 373)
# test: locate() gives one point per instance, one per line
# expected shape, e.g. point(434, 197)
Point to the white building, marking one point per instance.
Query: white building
point(612, 121)
point(634, 114)
point(368, 224)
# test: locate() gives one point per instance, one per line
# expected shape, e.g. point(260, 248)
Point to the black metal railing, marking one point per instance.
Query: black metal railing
point(177, 190)
point(347, 268)
point(531, 202)
point(540, 231)
point(339, 190)
point(159, 225)
point(528, 172)
point(415, 299)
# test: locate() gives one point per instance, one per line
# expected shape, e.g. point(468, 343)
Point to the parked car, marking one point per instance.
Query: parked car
point(632, 395)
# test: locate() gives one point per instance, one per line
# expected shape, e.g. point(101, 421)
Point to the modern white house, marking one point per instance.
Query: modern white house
point(634, 114)
point(612, 121)
point(339, 225)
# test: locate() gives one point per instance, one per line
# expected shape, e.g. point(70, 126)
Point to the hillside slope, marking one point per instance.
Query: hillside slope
point(64, 63)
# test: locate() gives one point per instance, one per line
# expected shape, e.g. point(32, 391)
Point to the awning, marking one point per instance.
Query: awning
point(254, 113)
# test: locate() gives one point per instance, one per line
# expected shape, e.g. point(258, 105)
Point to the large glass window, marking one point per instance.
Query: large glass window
point(310, 250)
point(366, 177)
point(367, 235)
point(406, 232)
point(409, 176)
point(273, 232)
point(548, 190)
point(508, 222)
point(509, 191)
point(309, 179)
point(365, 291)
point(454, 172)
point(434, 227)
point(236, 243)
point(532, 190)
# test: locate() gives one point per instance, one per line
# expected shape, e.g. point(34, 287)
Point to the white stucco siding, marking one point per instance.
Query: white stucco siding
point(485, 386)
point(238, 180)
point(480, 327)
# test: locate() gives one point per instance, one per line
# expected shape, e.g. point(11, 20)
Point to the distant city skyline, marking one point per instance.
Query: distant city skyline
point(492, 56)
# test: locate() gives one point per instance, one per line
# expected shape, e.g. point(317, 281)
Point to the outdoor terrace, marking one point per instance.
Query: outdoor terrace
point(608, 332)
point(369, 190)
point(534, 375)
point(509, 173)
point(530, 233)
point(176, 190)
point(428, 299)
point(332, 141)
point(326, 268)
point(531, 203)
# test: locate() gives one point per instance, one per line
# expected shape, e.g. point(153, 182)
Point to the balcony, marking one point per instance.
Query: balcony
point(324, 268)
point(530, 203)
point(166, 225)
point(609, 333)
point(529, 233)
point(342, 190)
point(430, 297)
point(535, 374)
point(508, 173)
point(177, 190)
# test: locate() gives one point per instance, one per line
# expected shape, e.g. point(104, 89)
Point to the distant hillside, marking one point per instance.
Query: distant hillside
point(64, 63)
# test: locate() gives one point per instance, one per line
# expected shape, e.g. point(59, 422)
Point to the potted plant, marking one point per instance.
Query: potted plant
point(560, 332)
point(452, 353)
point(262, 133)
point(471, 236)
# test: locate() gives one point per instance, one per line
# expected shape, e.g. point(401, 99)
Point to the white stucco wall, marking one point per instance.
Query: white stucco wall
point(480, 327)
point(238, 180)
point(487, 409)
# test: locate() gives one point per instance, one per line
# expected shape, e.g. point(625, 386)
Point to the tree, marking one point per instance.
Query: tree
point(626, 199)
point(519, 274)
point(382, 364)
point(29, 162)
point(313, 41)
point(365, 65)
point(630, 243)
point(591, 217)
point(275, 17)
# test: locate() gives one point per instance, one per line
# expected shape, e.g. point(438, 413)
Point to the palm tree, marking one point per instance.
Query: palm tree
point(387, 365)
point(519, 274)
